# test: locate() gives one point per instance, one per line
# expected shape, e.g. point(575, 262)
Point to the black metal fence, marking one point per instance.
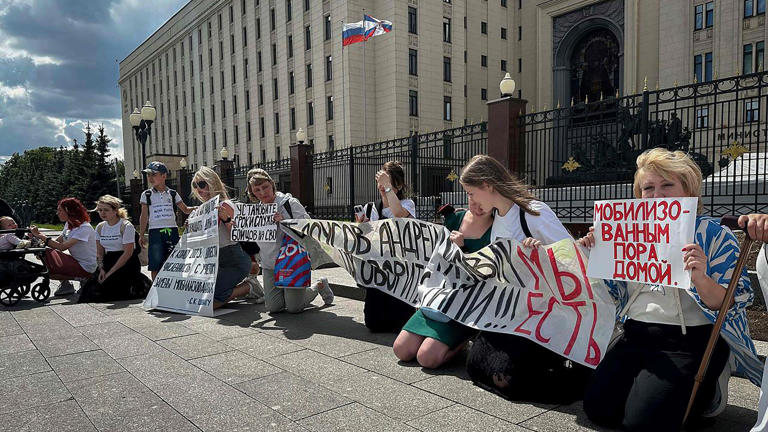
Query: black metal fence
point(432, 163)
point(587, 152)
point(279, 170)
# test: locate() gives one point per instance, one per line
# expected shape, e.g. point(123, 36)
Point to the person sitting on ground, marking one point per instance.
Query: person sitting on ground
point(9, 241)
point(276, 299)
point(256, 291)
point(119, 274)
point(234, 264)
point(383, 312)
point(645, 381)
point(429, 336)
point(78, 237)
point(510, 365)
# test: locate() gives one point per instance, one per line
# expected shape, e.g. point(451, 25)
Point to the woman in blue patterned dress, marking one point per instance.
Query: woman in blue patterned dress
point(644, 382)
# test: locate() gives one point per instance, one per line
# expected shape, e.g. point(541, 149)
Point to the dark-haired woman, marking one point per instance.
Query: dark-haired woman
point(384, 313)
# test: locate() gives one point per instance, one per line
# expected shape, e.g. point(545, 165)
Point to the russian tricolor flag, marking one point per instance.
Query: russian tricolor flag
point(361, 31)
point(353, 33)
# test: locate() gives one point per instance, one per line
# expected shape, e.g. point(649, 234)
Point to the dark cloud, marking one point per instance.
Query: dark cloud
point(58, 65)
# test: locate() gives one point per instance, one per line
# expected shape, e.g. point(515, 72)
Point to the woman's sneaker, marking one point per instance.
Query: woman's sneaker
point(256, 292)
point(325, 291)
point(65, 288)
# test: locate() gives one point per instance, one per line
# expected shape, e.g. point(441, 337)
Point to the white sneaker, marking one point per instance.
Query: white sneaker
point(256, 291)
point(720, 400)
point(325, 291)
point(65, 288)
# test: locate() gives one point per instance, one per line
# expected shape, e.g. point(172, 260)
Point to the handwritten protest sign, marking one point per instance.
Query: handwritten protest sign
point(641, 240)
point(542, 294)
point(187, 279)
point(254, 223)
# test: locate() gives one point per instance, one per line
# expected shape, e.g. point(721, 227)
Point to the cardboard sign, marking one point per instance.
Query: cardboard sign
point(187, 279)
point(254, 223)
point(641, 240)
point(542, 294)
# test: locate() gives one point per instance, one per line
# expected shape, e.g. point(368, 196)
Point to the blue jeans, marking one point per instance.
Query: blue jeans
point(234, 266)
point(161, 243)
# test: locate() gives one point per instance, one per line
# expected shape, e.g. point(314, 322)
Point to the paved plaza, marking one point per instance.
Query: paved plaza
point(117, 367)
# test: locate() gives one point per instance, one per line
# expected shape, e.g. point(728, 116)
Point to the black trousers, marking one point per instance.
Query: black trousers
point(520, 369)
point(645, 381)
point(384, 313)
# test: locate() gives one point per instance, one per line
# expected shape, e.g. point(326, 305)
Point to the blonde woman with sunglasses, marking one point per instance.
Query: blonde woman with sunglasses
point(234, 263)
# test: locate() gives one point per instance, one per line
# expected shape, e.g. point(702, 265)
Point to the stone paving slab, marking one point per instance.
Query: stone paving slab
point(115, 366)
point(66, 416)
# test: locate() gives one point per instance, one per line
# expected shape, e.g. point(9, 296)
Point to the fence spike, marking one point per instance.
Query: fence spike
point(586, 99)
point(715, 77)
point(676, 83)
point(544, 108)
point(558, 104)
point(645, 83)
point(571, 101)
point(694, 79)
point(601, 95)
point(657, 85)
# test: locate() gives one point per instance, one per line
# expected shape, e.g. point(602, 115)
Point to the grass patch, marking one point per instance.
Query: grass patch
point(49, 226)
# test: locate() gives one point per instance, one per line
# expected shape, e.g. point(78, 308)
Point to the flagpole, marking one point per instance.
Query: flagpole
point(343, 91)
point(365, 89)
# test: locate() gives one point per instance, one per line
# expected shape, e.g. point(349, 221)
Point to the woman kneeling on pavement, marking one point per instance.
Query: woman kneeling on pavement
point(278, 299)
point(383, 312)
point(644, 382)
point(119, 275)
point(429, 336)
point(78, 237)
point(513, 366)
point(234, 263)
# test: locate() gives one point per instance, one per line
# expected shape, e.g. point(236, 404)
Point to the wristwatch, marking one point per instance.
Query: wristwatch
point(387, 189)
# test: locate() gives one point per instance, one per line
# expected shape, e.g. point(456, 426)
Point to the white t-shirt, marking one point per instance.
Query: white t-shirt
point(161, 210)
point(83, 251)
point(407, 204)
point(110, 238)
point(546, 227)
point(657, 304)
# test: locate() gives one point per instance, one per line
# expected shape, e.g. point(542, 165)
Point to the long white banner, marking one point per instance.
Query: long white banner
point(186, 282)
point(542, 294)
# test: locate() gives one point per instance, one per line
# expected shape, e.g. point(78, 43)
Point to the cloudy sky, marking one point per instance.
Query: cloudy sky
point(59, 70)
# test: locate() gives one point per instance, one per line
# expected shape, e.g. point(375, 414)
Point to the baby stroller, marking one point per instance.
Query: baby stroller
point(17, 275)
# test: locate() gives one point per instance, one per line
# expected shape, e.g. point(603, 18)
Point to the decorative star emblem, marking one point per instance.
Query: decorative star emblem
point(326, 187)
point(735, 150)
point(452, 176)
point(571, 165)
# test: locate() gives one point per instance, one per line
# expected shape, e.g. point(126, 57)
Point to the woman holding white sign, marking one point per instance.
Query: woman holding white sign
point(429, 336)
point(234, 264)
point(294, 300)
point(644, 382)
point(513, 366)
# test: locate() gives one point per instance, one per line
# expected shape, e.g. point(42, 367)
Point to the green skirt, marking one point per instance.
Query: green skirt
point(450, 333)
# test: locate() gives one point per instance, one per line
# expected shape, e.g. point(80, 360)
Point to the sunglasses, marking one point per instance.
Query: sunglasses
point(200, 185)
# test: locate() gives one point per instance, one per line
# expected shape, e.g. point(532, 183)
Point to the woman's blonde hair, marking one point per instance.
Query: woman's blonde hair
point(483, 169)
point(257, 176)
point(671, 165)
point(114, 202)
point(215, 185)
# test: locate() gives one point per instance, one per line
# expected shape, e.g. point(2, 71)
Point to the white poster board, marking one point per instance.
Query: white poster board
point(254, 223)
point(186, 281)
point(542, 294)
point(641, 240)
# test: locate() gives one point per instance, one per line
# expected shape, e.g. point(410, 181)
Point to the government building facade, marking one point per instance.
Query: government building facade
point(247, 74)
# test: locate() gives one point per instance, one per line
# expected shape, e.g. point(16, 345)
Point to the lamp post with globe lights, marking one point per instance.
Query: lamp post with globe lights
point(141, 121)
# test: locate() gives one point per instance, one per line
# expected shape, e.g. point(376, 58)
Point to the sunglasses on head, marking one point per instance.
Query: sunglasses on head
point(200, 185)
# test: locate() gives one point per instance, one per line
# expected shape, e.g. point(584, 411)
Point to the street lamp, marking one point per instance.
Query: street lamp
point(224, 153)
point(135, 173)
point(301, 136)
point(507, 85)
point(183, 163)
point(141, 121)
